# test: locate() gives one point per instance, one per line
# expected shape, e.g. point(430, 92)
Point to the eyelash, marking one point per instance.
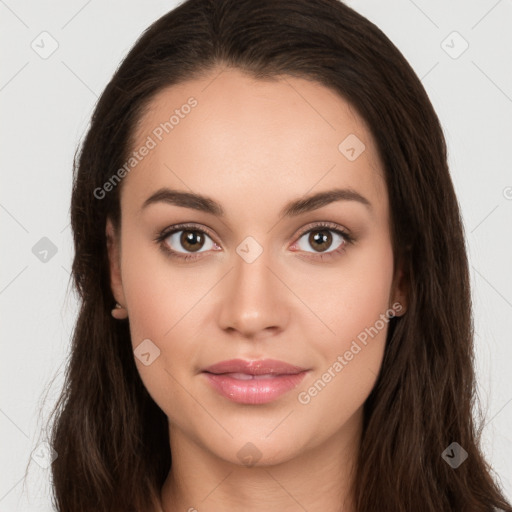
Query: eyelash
point(321, 226)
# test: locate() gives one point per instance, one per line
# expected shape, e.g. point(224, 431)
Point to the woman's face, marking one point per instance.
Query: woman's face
point(263, 281)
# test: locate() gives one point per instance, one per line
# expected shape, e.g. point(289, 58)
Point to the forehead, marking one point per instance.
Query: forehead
point(228, 135)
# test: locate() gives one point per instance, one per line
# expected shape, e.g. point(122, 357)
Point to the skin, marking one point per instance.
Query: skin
point(253, 146)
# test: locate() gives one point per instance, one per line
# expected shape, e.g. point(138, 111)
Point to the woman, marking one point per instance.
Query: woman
point(275, 305)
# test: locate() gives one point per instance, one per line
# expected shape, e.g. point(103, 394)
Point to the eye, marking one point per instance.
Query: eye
point(322, 237)
point(182, 240)
point(187, 242)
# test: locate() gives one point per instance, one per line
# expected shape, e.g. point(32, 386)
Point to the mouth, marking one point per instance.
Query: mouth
point(253, 382)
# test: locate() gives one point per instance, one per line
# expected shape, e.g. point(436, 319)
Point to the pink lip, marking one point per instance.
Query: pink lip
point(257, 367)
point(251, 387)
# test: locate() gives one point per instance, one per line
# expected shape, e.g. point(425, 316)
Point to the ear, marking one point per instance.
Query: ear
point(114, 256)
point(399, 291)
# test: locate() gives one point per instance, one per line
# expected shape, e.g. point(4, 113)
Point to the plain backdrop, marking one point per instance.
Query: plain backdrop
point(46, 102)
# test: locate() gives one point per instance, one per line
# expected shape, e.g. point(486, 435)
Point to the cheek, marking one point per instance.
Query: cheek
point(335, 394)
point(358, 314)
point(155, 291)
point(351, 297)
point(160, 301)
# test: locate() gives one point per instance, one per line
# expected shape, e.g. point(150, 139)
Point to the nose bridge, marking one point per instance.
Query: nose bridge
point(251, 272)
point(252, 300)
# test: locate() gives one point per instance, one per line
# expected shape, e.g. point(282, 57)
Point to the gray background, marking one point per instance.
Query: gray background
point(46, 104)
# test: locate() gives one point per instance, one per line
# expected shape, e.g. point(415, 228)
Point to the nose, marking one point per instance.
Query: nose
point(254, 299)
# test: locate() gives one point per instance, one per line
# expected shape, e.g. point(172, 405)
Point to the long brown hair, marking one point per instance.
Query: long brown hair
point(110, 436)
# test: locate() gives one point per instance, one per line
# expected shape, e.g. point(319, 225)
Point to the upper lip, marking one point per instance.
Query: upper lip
point(256, 367)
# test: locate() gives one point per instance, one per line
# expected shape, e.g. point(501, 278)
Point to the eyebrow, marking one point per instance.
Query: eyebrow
point(292, 209)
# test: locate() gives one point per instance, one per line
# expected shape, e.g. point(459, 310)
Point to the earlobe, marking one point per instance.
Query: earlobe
point(119, 313)
point(116, 284)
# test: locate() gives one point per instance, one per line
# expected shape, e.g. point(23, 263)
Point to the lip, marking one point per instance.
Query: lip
point(253, 382)
point(256, 367)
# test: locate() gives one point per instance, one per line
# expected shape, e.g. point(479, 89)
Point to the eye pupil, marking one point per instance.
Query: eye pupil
point(192, 240)
point(320, 237)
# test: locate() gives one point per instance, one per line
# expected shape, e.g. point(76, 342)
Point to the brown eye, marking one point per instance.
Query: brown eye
point(192, 240)
point(320, 240)
point(183, 241)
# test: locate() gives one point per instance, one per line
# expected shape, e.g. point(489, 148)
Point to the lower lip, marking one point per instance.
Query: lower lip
point(253, 391)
